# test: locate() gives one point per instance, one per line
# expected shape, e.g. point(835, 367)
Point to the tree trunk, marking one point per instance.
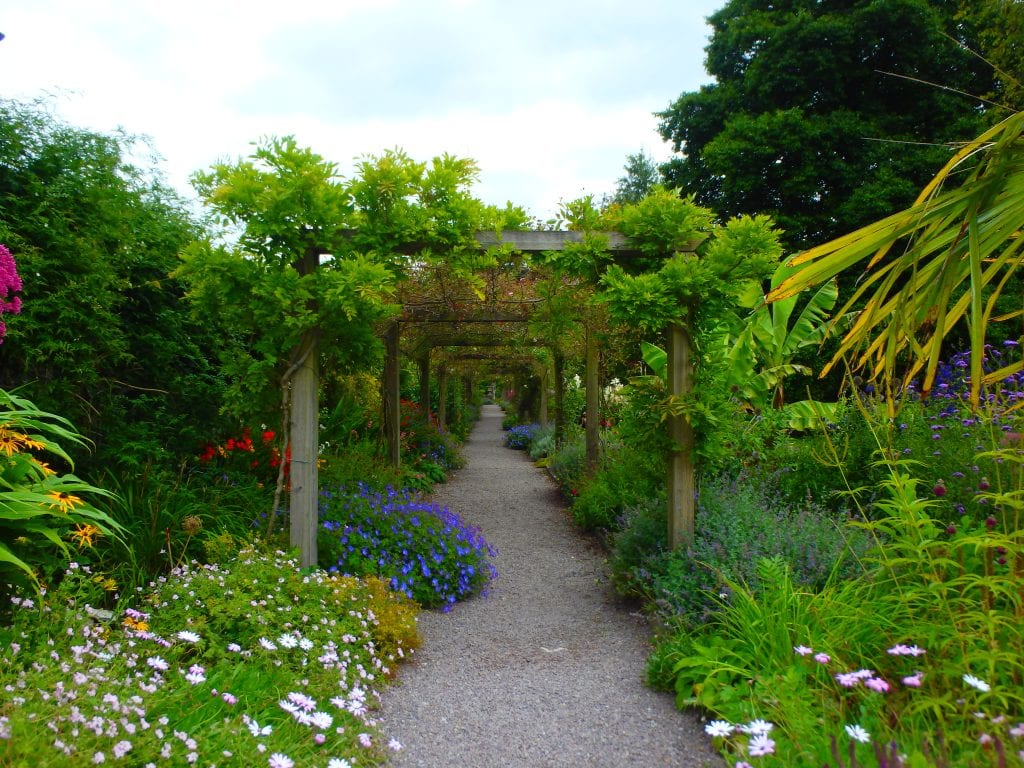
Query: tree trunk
point(680, 463)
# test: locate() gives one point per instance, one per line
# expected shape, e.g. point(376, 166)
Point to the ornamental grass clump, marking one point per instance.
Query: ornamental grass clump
point(245, 664)
point(423, 550)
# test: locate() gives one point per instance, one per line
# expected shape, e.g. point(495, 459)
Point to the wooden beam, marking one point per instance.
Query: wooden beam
point(540, 240)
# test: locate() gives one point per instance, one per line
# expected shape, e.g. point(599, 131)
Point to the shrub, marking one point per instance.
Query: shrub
point(41, 511)
point(519, 438)
point(567, 464)
point(739, 521)
point(626, 477)
point(425, 551)
point(543, 443)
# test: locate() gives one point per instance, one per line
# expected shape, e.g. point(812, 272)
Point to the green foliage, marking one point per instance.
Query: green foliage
point(738, 521)
point(103, 338)
point(567, 464)
point(682, 285)
point(273, 289)
point(171, 519)
point(824, 115)
point(39, 506)
point(627, 475)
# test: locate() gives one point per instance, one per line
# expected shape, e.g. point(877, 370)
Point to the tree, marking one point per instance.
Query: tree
point(1000, 32)
point(949, 257)
point(825, 115)
point(641, 175)
point(104, 339)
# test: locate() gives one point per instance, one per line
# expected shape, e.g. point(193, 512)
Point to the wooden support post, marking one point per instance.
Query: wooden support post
point(424, 364)
point(545, 382)
point(392, 396)
point(559, 359)
point(593, 387)
point(305, 453)
point(680, 464)
point(305, 436)
point(442, 396)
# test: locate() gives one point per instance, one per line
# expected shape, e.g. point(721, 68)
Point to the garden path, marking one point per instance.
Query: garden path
point(547, 669)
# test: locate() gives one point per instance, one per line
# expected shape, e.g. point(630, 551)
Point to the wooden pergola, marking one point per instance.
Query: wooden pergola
point(304, 423)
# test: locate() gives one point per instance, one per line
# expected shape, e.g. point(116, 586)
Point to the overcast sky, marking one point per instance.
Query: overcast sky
point(548, 96)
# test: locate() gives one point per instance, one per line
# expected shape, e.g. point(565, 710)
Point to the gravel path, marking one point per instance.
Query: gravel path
point(547, 670)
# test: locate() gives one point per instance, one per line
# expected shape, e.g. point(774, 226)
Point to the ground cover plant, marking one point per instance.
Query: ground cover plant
point(249, 663)
point(422, 549)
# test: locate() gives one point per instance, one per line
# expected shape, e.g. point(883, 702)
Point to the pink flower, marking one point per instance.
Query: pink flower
point(877, 684)
point(803, 650)
point(822, 658)
point(913, 681)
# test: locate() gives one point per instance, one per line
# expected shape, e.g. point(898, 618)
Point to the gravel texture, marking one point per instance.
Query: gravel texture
point(547, 669)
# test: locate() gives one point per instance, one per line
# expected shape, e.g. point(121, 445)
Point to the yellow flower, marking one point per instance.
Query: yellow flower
point(64, 500)
point(85, 534)
point(35, 445)
point(105, 582)
point(10, 442)
point(136, 624)
point(45, 467)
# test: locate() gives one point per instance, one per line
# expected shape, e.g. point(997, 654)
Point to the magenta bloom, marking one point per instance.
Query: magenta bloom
point(10, 284)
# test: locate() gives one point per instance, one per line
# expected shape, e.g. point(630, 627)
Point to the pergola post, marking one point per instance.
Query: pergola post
point(593, 393)
point(559, 362)
point(442, 396)
point(545, 382)
point(305, 437)
point(392, 395)
point(424, 366)
point(680, 464)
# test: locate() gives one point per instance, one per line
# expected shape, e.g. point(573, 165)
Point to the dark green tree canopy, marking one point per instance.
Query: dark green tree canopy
point(822, 114)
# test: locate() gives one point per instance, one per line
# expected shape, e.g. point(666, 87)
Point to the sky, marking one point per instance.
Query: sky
point(549, 97)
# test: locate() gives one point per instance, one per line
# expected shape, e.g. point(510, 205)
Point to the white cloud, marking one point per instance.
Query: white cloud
point(548, 98)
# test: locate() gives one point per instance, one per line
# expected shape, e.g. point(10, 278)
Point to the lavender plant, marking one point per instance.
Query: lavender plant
point(424, 550)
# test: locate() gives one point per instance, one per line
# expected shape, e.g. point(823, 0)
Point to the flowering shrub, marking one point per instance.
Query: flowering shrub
point(520, 437)
point(260, 458)
point(10, 284)
point(424, 550)
point(40, 509)
point(253, 663)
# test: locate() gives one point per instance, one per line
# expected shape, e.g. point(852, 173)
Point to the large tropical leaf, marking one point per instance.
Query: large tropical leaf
point(945, 259)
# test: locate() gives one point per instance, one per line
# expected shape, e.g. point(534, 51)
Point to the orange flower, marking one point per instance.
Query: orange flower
point(85, 534)
point(64, 500)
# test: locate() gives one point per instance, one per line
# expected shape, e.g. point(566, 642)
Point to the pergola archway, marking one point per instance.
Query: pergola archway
point(458, 312)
